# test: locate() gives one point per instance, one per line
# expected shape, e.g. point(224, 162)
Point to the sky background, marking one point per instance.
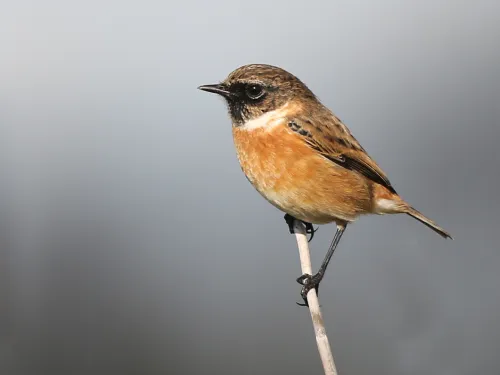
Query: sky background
point(131, 243)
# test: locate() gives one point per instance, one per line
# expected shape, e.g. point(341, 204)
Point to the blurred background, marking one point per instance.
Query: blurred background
point(131, 243)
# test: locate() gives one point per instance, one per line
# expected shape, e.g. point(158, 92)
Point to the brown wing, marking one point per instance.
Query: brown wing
point(332, 139)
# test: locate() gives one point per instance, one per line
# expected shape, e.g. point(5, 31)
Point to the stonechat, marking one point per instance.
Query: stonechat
point(302, 158)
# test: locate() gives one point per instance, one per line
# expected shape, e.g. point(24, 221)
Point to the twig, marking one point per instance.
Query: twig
point(324, 349)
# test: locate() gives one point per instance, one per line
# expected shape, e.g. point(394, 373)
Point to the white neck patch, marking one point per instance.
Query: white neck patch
point(266, 121)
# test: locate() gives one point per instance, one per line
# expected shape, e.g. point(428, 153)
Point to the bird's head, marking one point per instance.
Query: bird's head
point(254, 90)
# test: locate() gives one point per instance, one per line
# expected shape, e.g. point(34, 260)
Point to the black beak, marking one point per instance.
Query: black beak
point(217, 89)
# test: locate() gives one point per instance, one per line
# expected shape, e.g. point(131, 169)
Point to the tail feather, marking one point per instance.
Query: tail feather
point(428, 222)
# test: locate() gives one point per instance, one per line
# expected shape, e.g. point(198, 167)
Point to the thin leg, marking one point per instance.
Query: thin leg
point(309, 227)
point(309, 281)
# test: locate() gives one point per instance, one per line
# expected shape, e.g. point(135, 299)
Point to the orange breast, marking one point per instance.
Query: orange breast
point(296, 179)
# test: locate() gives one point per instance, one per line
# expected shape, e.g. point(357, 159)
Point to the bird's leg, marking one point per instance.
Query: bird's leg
point(309, 227)
point(307, 281)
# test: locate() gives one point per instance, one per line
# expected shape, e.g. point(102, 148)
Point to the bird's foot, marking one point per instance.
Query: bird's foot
point(309, 282)
point(309, 227)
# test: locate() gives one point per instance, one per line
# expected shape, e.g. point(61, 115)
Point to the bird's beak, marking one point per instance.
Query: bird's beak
point(217, 89)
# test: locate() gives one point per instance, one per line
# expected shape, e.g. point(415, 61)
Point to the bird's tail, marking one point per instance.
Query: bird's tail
point(428, 222)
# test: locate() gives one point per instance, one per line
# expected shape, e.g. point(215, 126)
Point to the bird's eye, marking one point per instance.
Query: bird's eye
point(254, 91)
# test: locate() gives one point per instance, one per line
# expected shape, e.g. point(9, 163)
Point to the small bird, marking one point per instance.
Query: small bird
point(302, 158)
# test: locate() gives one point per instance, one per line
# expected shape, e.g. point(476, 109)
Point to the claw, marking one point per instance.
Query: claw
point(308, 282)
point(309, 227)
point(310, 230)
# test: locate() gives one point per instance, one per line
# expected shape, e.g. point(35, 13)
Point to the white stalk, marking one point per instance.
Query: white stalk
point(324, 349)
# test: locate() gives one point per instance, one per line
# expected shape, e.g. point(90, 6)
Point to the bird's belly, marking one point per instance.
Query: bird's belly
point(297, 180)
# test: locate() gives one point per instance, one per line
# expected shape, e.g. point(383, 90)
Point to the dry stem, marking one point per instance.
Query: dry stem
point(324, 349)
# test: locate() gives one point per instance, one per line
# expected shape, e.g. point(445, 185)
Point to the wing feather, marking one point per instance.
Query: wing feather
point(332, 139)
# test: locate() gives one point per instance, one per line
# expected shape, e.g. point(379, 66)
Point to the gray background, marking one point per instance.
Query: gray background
point(131, 243)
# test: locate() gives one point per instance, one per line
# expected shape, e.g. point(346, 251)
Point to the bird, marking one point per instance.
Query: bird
point(302, 158)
